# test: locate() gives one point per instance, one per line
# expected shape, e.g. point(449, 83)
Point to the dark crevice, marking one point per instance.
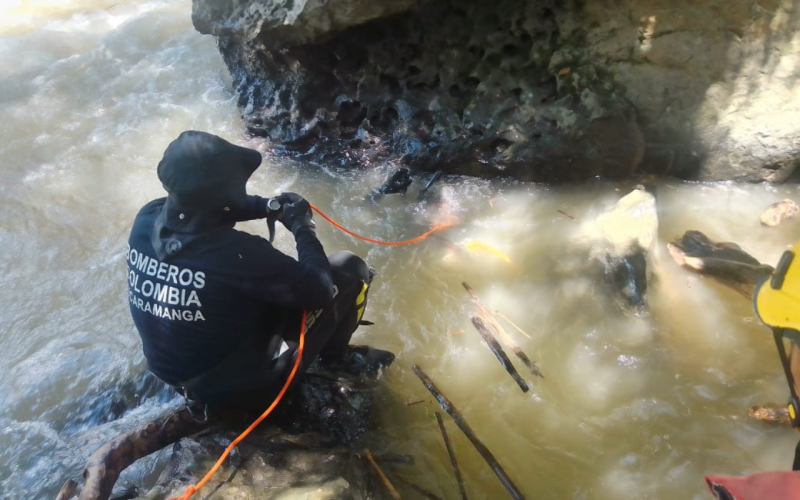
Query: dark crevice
point(499, 144)
point(472, 83)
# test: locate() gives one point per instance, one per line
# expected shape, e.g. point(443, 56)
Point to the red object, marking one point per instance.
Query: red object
point(775, 485)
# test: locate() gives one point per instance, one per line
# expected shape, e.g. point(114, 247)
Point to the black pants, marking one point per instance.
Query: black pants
point(252, 376)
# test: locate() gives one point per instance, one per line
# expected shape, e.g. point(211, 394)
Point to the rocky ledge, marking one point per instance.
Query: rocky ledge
point(314, 448)
point(317, 444)
point(551, 90)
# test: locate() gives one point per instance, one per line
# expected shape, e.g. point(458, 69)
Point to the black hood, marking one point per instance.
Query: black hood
point(203, 172)
point(205, 177)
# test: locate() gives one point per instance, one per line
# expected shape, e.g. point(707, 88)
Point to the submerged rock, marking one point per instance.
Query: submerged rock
point(779, 212)
point(543, 91)
point(269, 465)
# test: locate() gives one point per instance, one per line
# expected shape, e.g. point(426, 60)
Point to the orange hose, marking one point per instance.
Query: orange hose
point(379, 242)
point(192, 489)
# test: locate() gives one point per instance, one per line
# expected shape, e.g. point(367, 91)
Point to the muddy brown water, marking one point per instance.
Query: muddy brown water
point(631, 407)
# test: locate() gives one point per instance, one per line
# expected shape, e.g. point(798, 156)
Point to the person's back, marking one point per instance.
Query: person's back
point(219, 310)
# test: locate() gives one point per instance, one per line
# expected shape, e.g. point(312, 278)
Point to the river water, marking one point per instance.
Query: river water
point(635, 407)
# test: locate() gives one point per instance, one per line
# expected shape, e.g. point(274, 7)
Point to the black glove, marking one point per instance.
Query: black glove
point(295, 212)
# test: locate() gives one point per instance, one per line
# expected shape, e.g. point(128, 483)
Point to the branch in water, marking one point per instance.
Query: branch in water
point(451, 453)
point(505, 318)
point(498, 352)
point(465, 428)
point(422, 491)
point(382, 476)
point(504, 336)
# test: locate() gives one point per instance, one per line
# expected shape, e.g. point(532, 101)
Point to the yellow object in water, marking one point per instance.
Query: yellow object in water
point(478, 246)
point(777, 299)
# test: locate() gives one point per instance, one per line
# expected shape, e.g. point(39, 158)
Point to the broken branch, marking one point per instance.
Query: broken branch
point(422, 491)
point(382, 476)
point(504, 336)
point(520, 330)
point(465, 428)
point(498, 352)
point(452, 455)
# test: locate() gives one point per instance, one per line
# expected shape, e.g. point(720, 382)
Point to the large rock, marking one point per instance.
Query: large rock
point(546, 91)
point(282, 23)
point(311, 449)
point(714, 81)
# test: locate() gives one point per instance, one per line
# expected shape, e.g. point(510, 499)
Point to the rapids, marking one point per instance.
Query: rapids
point(632, 407)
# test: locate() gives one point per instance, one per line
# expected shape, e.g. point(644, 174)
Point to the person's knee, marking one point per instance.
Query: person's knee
point(351, 264)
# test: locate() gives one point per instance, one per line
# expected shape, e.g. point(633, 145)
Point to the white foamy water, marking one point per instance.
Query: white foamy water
point(631, 406)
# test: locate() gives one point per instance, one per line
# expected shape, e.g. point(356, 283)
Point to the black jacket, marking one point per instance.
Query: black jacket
point(201, 298)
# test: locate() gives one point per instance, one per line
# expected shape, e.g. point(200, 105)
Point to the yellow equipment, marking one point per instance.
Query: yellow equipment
point(777, 300)
point(479, 246)
point(777, 304)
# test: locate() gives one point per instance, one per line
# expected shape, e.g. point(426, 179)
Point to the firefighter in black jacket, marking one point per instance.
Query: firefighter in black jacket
point(219, 310)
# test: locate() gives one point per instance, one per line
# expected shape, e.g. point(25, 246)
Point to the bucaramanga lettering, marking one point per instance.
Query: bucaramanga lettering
point(162, 289)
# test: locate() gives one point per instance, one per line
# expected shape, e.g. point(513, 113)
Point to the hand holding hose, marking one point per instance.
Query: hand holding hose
point(295, 212)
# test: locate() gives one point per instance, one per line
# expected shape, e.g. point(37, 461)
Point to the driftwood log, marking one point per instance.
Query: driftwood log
point(105, 465)
point(726, 262)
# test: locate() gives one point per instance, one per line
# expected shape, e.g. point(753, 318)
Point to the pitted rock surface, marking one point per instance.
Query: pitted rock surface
point(464, 86)
point(282, 23)
point(549, 90)
point(310, 448)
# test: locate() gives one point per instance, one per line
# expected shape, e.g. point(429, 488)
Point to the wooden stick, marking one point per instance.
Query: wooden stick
point(452, 454)
point(105, 465)
point(382, 476)
point(422, 491)
point(462, 424)
point(520, 330)
point(67, 490)
point(394, 458)
point(565, 214)
point(507, 340)
point(498, 352)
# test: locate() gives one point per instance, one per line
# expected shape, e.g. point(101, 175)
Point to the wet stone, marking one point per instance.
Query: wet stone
point(309, 450)
point(779, 212)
